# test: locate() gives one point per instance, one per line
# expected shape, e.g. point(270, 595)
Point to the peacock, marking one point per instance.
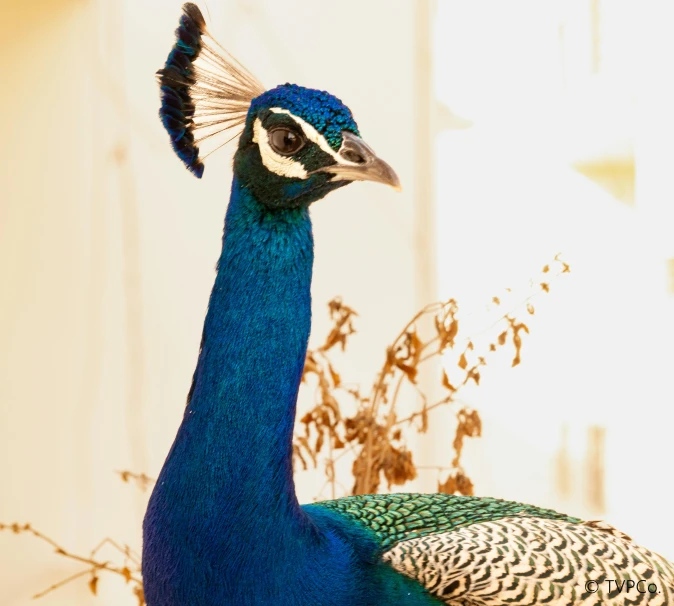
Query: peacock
point(223, 525)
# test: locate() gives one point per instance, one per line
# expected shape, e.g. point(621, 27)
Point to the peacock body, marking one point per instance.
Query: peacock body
point(223, 525)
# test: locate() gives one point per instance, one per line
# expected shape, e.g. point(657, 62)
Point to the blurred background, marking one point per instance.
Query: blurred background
point(519, 130)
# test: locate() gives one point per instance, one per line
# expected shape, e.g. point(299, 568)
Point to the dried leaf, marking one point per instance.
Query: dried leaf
point(424, 419)
point(336, 379)
point(457, 483)
point(469, 425)
point(517, 339)
point(463, 363)
point(409, 371)
point(319, 442)
point(304, 443)
point(297, 454)
point(343, 326)
point(446, 324)
point(140, 594)
point(93, 584)
point(398, 466)
point(445, 382)
point(310, 365)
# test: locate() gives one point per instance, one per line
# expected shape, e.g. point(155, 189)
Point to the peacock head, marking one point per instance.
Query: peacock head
point(296, 144)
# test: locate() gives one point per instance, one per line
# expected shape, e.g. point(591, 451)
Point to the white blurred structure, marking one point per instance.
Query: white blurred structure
point(571, 151)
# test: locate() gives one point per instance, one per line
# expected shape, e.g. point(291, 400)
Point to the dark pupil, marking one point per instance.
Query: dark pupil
point(285, 141)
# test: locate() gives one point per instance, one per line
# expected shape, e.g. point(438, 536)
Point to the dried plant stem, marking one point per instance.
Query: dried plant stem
point(427, 409)
point(60, 584)
point(330, 468)
point(378, 393)
point(143, 481)
point(128, 553)
point(131, 575)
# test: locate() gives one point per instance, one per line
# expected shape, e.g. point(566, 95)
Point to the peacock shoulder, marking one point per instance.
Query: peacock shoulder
point(473, 551)
point(404, 516)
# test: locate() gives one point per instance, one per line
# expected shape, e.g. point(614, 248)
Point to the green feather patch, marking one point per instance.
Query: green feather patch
point(398, 517)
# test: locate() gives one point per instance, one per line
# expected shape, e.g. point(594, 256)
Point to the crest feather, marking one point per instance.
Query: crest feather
point(204, 90)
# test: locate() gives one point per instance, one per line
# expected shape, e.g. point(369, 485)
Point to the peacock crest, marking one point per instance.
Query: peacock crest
point(205, 92)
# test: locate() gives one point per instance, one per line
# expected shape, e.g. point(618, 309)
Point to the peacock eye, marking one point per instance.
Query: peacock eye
point(285, 141)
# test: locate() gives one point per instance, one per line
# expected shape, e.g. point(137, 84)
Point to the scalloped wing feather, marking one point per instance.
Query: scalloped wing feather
point(528, 560)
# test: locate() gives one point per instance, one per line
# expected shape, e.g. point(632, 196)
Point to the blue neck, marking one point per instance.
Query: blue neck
point(232, 457)
point(223, 525)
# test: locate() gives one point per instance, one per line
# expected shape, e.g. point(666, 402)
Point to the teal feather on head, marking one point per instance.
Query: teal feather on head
point(321, 109)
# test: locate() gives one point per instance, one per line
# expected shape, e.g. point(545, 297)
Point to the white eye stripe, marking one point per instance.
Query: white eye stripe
point(309, 132)
point(283, 166)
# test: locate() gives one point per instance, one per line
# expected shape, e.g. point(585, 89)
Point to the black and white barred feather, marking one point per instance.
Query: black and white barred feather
point(529, 560)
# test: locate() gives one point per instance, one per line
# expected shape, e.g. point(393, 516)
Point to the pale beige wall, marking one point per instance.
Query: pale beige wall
point(601, 349)
point(108, 246)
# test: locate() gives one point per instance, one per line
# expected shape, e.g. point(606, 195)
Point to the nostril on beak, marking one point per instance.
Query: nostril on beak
point(353, 156)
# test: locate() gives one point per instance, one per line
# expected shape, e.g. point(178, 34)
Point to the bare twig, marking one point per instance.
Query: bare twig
point(131, 574)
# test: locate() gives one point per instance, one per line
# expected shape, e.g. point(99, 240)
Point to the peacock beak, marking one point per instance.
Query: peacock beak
point(356, 161)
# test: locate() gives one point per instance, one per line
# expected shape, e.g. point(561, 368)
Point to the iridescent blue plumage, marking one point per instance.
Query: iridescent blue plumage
point(325, 112)
point(223, 525)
